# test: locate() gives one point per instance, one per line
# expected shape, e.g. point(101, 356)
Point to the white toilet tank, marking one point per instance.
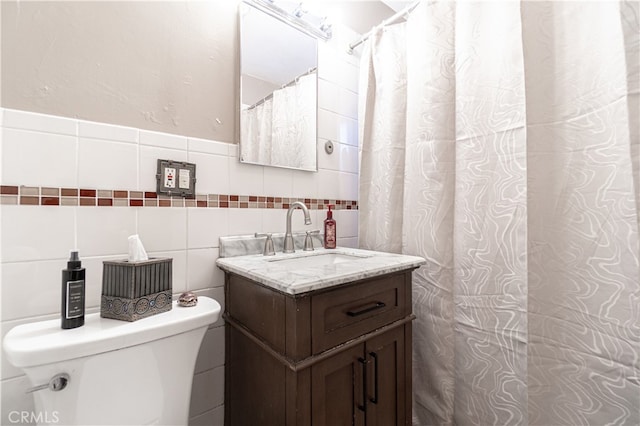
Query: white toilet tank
point(120, 373)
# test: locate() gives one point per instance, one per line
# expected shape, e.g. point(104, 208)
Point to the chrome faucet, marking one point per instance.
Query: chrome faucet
point(288, 237)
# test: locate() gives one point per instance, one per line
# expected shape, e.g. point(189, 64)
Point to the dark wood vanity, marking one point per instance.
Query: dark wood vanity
point(336, 356)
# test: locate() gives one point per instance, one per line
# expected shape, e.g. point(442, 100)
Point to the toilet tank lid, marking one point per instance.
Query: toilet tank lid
point(44, 342)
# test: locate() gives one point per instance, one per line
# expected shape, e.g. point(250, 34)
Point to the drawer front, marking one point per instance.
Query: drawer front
point(348, 312)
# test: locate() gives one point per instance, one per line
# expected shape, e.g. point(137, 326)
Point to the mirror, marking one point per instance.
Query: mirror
point(278, 92)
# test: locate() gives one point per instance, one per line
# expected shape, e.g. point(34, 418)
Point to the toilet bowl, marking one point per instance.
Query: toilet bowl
point(115, 372)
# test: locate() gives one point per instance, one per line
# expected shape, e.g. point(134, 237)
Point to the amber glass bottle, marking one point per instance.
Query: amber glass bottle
point(330, 230)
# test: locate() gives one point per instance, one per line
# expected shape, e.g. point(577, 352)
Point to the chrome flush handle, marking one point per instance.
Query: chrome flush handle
point(56, 384)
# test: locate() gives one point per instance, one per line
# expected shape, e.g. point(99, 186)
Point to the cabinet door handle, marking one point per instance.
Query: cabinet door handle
point(363, 363)
point(376, 305)
point(375, 378)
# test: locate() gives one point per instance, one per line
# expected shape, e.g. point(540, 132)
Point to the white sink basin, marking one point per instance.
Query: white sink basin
point(318, 260)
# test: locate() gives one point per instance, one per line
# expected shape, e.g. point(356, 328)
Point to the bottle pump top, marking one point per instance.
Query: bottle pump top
point(74, 260)
point(330, 213)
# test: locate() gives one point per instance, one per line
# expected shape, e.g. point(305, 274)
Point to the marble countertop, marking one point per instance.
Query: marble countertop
point(290, 278)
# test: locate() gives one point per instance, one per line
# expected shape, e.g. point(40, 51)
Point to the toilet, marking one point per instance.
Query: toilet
point(111, 372)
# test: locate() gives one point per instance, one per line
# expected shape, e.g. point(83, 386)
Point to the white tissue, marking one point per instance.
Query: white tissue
point(136, 249)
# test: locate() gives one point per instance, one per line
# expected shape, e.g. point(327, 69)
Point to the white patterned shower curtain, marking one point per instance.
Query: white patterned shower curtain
point(256, 133)
point(281, 130)
point(294, 124)
point(500, 141)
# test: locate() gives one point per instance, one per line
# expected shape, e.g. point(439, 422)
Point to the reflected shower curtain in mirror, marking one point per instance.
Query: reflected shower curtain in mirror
point(294, 119)
point(276, 128)
point(499, 140)
point(256, 130)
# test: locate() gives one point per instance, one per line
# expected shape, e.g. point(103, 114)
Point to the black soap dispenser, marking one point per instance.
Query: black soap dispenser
point(72, 311)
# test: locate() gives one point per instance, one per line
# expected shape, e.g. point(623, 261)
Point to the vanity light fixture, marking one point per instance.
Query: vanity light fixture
point(299, 10)
point(299, 18)
point(325, 26)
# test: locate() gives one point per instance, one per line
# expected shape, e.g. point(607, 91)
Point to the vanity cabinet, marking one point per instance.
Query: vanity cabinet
point(334, 356)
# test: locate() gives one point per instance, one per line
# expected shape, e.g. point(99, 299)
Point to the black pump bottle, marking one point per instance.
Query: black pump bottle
point(72, 310)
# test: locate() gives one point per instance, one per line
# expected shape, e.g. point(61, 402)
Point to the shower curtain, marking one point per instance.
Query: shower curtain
point(256, 133)
point(277, 131)
point(294, 124)
point(500, 141)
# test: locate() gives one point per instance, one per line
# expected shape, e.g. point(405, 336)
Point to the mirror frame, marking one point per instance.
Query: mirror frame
point(304, 31)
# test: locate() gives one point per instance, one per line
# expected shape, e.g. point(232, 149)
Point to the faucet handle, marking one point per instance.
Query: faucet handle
point(308, 242)
point(269, 250)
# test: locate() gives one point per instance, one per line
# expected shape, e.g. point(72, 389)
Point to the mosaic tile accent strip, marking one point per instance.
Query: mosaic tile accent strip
point(48, 196)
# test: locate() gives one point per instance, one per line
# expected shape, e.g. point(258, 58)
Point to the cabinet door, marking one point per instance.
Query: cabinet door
point(255, 383)
point(388, 376)
point(337, 389)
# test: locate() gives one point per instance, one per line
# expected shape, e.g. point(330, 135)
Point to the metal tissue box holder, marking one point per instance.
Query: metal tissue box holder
point(135, 290)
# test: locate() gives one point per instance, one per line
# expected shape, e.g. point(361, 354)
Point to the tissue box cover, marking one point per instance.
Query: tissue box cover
point(135, 290)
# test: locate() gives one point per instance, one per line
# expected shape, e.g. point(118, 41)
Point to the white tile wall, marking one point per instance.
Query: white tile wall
point(208, 390)
point(208, 147)
point(245, 179)
point(30, 289)
point(348, 159)
point(212, 172)
point(305, 184)
point(163, 140)
point(337, 66)
point(337, 128)
point(48, 151)
point(245, 221)
point(348, 220)
point(38, 159)
point(108, 132)
point(348, 186)
point(337, 99)
point(279, 182)
point(102, 161)
point(163, 229)
point(206, 226)
point(39, 122)
point(274, 221)
point(212, 351)
point(202, 272)
point(32, 233)
point(110, 238)
point(330, 184)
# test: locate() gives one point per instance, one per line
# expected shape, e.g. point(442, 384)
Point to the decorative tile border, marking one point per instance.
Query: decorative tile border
point(47, 196)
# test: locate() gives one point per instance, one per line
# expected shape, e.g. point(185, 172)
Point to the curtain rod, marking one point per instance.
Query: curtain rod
point(291, 83)
point(403, 13)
